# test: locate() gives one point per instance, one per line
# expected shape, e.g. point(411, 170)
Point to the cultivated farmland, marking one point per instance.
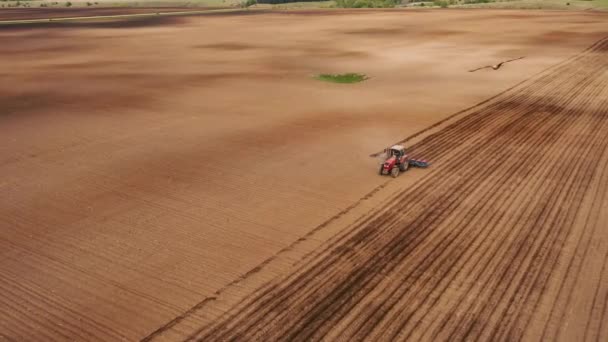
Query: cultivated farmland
point(189, 178)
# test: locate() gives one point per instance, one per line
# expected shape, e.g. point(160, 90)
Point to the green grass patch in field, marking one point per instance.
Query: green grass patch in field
point(342, 78)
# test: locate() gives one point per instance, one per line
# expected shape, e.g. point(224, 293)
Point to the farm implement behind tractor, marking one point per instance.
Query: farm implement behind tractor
point(397, 161)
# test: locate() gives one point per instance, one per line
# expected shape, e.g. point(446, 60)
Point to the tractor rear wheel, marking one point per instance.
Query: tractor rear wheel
point(381, 169)
point(395, 172)
point(404, 166)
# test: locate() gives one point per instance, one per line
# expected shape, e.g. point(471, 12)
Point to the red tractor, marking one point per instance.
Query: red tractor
point(398, 161)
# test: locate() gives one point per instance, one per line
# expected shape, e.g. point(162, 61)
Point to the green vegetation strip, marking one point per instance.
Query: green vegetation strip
point(342, 78)
point(367, 3)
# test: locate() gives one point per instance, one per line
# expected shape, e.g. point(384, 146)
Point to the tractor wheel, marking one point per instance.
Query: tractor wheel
point(381, 169)
point(404, 166)
point(395, 172)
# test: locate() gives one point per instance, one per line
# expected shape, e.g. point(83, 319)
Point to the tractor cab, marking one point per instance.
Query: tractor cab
point(396, 151)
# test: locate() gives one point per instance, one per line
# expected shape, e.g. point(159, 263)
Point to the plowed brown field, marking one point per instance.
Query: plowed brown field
point(190, 180)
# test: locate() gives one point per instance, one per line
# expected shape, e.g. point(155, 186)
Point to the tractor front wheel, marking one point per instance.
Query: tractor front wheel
point(395, 171)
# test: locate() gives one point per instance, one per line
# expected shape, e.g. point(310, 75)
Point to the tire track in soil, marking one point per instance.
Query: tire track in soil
point(598, 200)
point(529, 293)
point(492, 306)
point(378, 313)
point(454, 228)
point(465, 220)
point(430, 258)
point(450, 228)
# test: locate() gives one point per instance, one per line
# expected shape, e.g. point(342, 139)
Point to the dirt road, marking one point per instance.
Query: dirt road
point(188, 178)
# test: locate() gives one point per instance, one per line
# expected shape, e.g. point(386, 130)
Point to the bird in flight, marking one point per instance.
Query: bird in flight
point(496, 66)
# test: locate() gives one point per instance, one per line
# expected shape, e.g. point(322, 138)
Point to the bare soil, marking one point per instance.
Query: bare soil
point(190, 179)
